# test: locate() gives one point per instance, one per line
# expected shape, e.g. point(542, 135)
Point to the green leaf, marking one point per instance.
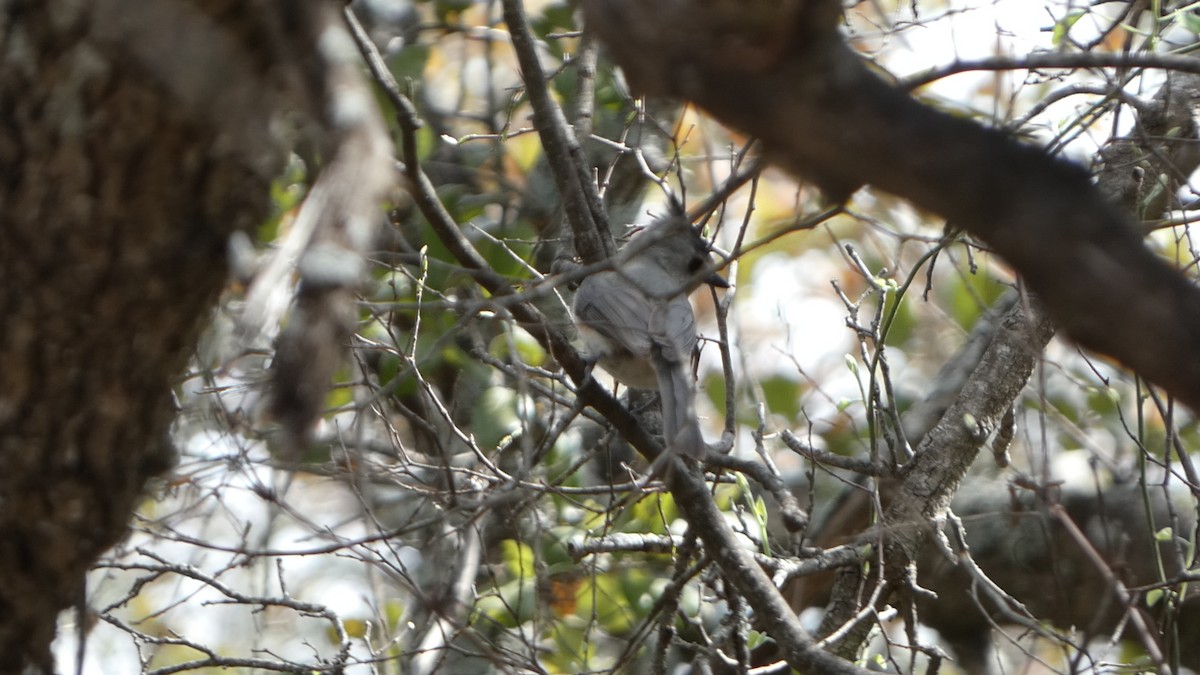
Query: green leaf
point(495, 417)
point(1190, 22)
point(602, 597)
point(636, 581)
point(743, 484)
point(760, 516)
point(393, 611)
point(510, 605)
point(1064, 26)
point(527, 349)
point(355, 628)
point(409, 63)
point(1153, 596)
point(518, 558)
point(970, 294)
point(782, 395)
point(652, 514)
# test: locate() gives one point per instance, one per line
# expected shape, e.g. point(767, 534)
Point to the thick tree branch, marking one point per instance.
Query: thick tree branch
point(739, 568)
point(982, 382)
point(823, 115)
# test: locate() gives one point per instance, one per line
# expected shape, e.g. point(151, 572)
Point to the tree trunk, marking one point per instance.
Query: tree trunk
point(132, 142)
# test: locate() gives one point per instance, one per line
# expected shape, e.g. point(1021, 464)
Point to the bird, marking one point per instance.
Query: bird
point(636, 321)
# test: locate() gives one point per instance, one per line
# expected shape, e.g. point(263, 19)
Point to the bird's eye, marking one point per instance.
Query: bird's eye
point(695, 264)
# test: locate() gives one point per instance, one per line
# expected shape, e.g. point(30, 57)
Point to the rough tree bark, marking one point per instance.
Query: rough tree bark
point(133, 140)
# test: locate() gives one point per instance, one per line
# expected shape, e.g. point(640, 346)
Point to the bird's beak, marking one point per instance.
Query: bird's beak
point(717, 281)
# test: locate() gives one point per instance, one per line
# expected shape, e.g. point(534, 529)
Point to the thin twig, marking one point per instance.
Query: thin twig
point(1057, 60)
point(794, 517)
point(863, 466)
point(1144, 632)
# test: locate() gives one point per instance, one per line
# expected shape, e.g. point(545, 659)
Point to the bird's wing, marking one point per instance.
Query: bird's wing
point(612, 306)
point(673, 329)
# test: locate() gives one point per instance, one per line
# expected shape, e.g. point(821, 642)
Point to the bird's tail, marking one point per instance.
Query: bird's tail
point(681, 428)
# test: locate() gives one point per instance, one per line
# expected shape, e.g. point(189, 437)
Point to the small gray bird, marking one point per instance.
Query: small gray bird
point(638, 324)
